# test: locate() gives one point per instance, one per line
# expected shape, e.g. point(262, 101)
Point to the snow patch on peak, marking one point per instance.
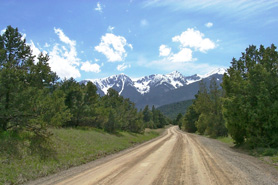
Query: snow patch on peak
point(142, 88)
point(116, 80)
point(192, 79)
point(175, 74)
point(103, 84)
point(143, 85)
point(220, 71)
point(173, 80)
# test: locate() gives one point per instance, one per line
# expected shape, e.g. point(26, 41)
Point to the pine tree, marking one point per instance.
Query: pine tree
point(251, 101)
point(190, 119)
point(202, 106)
point(27, 100)
point(15, 59)
point(178, 120)
point(110, 125)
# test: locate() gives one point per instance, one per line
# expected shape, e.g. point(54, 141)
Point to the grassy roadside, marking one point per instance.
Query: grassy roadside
point(268, 155)
point(227, 140)
point(72, 147)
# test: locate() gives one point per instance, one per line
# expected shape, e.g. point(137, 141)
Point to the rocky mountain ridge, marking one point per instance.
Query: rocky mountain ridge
point(147, 90)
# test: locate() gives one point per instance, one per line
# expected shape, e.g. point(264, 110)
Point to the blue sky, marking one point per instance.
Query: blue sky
point(95, 39)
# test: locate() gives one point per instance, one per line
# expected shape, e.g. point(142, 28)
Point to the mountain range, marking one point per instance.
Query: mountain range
point(156, 89)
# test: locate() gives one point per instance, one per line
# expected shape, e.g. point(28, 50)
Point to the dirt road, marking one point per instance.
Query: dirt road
point(174, 158)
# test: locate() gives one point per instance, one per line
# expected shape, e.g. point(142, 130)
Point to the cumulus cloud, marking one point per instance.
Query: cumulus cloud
point(194, 39)
point(63, 37)
point(188, 40)
point(113, 47)
point(99, 7)
point(123, 66)
point(209, 24)
point(61, 65)
point(184, 55)
point(164, 50)
point(63, 58)
point(35, 50)
point(88, 67)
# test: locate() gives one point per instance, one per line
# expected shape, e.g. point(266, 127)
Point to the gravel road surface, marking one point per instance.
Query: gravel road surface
point(174, 158)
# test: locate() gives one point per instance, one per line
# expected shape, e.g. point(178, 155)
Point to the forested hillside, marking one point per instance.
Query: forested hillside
point(173, 109)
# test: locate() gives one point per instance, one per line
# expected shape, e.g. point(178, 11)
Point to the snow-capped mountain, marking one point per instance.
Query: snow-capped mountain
point(155, 89)
point(117, 82)
point(171, 81)
point(216, 71)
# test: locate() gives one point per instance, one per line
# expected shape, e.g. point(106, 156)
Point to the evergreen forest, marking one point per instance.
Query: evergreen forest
point(34, 99)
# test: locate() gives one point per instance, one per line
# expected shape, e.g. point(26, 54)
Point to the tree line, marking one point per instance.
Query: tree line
point(32, 98)
point(205, 114)
point(246, 107)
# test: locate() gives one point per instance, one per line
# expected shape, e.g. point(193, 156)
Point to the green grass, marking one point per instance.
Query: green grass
point(227, 140)
point(274, 160)
point(71, 147)
point(269, 155)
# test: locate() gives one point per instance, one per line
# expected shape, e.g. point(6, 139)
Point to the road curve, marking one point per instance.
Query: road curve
point(174, 158)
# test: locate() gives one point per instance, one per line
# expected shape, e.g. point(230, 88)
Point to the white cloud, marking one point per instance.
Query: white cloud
point(144, 23)
point(35, 50)
point(188, 40)
point(23, 36)
point(209, 24)
point(63, 58)
point(241, 9)
point(184, 55)
point(123, 66)
point(113, 47)
point(99, 7)
point(130, 46)
point(164, 50)
point(71, 54)
point(110, 29)
point(46, 45)
point(63, 37)
point(183, 67)
point(60, 63)
point(194, 39)
point(88, 67)
point(3, 31)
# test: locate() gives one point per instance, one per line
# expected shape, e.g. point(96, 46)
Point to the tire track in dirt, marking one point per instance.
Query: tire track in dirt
point(215, 173)
point(109, 179)
point(117, 167)
point(172, 172)
point(174, 158)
